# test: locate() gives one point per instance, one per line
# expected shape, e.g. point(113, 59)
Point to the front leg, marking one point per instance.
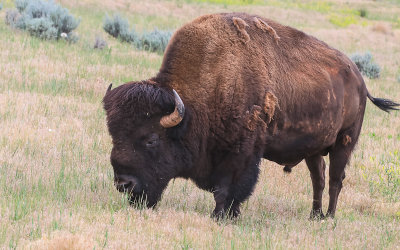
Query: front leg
point(221, 193)
point(234, 188)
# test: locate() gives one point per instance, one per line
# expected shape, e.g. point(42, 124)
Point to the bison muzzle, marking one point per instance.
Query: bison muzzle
point(232, 89)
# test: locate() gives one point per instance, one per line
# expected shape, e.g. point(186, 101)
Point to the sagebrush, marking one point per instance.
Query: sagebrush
point(12, 17)
point(118, 27)
point(43, 19)
point(366, 65)
point(154, 41)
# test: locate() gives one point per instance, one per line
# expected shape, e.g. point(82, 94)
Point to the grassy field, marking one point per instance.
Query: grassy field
point(56, 183)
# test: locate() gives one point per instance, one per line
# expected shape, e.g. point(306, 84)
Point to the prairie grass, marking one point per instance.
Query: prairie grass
point(56, 189)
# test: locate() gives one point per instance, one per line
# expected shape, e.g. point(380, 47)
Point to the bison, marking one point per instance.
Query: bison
point(232, 89)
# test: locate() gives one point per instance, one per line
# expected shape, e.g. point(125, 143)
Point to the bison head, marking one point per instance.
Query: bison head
point(143, 119)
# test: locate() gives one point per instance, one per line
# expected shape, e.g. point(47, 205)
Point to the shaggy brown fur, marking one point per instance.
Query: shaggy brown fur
point(270, 103)
point(254, 119)
point(346, 140)
point(235, 79)
point(241, 26)
point(264, 26)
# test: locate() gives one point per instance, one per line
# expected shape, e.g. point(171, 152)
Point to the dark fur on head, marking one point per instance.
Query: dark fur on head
point(139, 100)
point(144, 152)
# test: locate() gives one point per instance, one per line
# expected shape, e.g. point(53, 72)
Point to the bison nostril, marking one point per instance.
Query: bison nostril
point(126, 186)
point(125, 183)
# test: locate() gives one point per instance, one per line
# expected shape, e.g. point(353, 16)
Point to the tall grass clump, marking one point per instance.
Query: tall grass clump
point(366, 65)
point(118, 27)
point(154, 41)
point(43, 19)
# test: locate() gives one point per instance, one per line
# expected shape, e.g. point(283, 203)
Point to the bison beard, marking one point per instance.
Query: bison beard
point(232, 89)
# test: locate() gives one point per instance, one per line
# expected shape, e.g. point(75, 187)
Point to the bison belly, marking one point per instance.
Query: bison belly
point(304, 128)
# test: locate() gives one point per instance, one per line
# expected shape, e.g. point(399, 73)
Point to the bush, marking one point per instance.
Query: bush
point(362, 12)
point(46, 20)
point(99, 43)
point(21, 5)
point(118, 27)
point(12, 17)
point(42, 28)
point(155, 41)
point(366, 65)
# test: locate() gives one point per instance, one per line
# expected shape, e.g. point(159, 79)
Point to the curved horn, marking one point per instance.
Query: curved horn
point(173, 119)
point(109, 88)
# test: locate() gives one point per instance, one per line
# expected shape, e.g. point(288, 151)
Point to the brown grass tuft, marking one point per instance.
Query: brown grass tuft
point(382, 28)
point(63, 240)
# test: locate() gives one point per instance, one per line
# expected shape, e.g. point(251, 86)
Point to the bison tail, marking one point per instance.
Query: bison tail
point(384, 104)
point(287, 169)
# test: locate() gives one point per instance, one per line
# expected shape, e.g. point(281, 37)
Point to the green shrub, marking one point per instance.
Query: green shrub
point(155, 41)
point(362, 12)
point(366, 65)
point(42, 28)
point(118, 27)
point(43, 19)
point(21, 5)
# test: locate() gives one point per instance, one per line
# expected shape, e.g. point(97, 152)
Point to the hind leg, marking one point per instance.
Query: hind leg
point(339, 156)
point(316, 165)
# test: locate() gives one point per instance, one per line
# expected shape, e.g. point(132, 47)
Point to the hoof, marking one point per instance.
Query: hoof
point(317, 215)
point(218, 215)
point(233, 213)
point(330, 215)
point(230, 214)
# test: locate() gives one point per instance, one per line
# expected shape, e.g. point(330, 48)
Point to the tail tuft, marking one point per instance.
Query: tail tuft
point(287, 169)
point(384, 104)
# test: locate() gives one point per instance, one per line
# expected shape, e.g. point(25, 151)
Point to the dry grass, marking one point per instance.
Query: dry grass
point(56, 188)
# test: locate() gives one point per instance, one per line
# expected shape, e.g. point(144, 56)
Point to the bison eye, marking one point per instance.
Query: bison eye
point(152, 140)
